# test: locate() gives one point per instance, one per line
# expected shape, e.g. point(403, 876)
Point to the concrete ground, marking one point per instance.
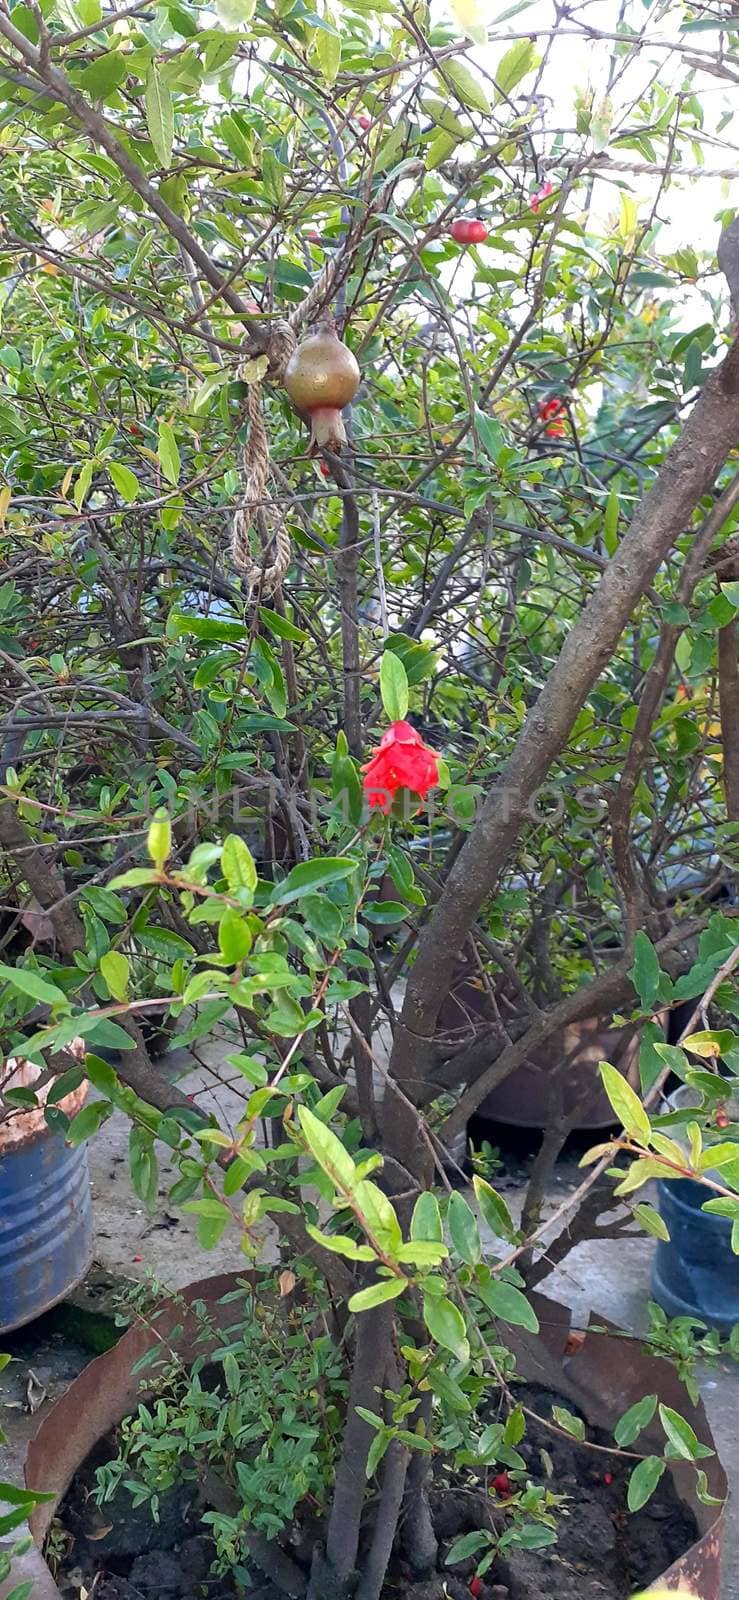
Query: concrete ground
point(611, 1279)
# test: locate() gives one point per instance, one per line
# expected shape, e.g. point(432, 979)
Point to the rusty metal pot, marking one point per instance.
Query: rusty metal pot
point(600, 1374)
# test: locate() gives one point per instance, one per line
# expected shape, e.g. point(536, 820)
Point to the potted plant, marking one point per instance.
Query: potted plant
point(475, 638)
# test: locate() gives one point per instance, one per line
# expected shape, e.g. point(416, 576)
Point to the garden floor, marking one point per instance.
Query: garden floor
point(610, 1279)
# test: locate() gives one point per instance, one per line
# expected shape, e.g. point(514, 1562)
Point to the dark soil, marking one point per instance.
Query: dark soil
point(603, 1552)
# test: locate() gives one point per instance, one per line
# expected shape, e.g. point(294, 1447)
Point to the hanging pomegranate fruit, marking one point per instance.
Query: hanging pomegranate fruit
point(321, 378)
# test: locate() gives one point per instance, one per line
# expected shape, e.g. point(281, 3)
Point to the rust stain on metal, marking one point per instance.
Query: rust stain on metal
point(24, 1126)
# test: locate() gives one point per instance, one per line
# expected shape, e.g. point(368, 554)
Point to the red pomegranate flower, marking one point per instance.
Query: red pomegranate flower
point(551, 412)
point(541, 194)
point(403, 761)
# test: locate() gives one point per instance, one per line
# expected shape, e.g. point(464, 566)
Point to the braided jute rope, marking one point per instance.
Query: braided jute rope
point(257, 508)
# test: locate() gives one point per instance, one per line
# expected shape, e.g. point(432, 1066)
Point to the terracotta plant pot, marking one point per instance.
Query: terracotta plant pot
point(601, 1375)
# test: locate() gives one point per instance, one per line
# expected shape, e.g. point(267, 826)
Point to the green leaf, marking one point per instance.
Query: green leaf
point(490, 434)
point(610, 523)
point(514, 65)
point(626, 1104)
point(222, 630)
point(377, 1294)
point(463, 1229)
point(683, 1440)
point(567, 1420)
point(426, 1221)
point(143, 1166)
point(328, 1151)
point(327, 47)
point(159, 120)
point(651, 1221)
point(159, 838)
point(169, 457)
point(82, 486)
point(645, 971)
point(508, 1303)
point(133, 879)
point(643, 1482)
point(115, 970)
point(392, 147)
point(470, 18)
point(381, 1442)
point(467, 87)
point(323, 918)
point(393, 687)
point(101, 77)
point(237, 863)
point(468, 1545)
point(494, 1209)
point(87, 1122)
point(124, 480)
point(21, 1591)
point(102, 1076)
point(711, 1042)
point(442, 146)
point(446, 1325)
point(311, 875)
point(340, 1244)
point(283, 628)
point(28, 982)
point(235, 13)
point(61, 1087)
point(234, 937)
point(273, 179)
point(633, 1421)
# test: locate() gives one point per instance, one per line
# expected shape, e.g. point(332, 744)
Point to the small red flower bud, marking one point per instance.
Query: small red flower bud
point(365, 123)
point(722, 1118)
point(475, 1587)
point(608, 1478)
point(502, 1485)
point(541, 194)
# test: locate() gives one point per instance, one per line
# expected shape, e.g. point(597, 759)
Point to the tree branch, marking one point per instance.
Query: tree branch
point(689, 472)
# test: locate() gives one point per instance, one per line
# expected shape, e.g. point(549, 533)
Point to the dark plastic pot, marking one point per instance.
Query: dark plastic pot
point(696, 1273)
point(45, 1212)
point(523, 1099)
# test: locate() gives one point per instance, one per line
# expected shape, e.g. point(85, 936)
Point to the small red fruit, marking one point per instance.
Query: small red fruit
point(502, 1485)
point(468, 230)
point(475, 1587)
point(608, 1478)
point(135, 430)
point(365, 123)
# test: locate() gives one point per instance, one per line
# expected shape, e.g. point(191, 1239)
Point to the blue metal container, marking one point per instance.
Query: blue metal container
point(696, 1274)
point(45, 1220)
